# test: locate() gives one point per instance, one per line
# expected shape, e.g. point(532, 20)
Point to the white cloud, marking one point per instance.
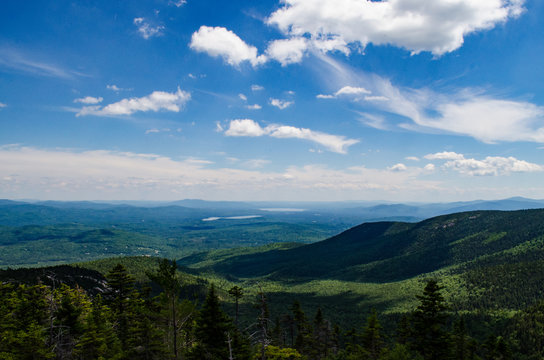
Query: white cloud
point(256, 87)
point(287, 51)
point(351, 90)
point(177, 3)
point(220, 42)
point(89, 100)
point(491, 165)
point(2, 105)
point(398, 167)
point(376, 98)
point(416, 25)
point(254, 107)
point(157, 100)
point(242, 97)
point(244, 127)
point(101, 174)
point(445, 155)
point(248, 127)
point(348, 91)
point(32, 64)
point(116, 88)
point(146, 29)
point(429, 167)
point(152, 131)
point(113, 87)
point(412, 158)
point(466, 112)
point(325, 96)
point(281, 104)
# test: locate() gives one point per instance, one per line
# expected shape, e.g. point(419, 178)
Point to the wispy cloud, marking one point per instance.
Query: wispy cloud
point(254, 107)
point(465, 111)
point(89, 100)
point(256, 87)
point(177, 3)
point(248, 127)
point(2, 105)
point(147, 30)
point(31, 64)
point(156, 101)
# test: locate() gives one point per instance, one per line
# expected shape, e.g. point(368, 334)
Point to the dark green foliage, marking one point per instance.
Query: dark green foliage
point(213, 332)
point(372, 337)
point(431, 338)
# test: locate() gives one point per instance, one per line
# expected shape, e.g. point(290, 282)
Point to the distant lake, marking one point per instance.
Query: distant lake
point(283, 209)
point(213, 218)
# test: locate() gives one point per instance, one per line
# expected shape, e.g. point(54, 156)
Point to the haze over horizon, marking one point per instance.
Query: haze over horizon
point(285, 100)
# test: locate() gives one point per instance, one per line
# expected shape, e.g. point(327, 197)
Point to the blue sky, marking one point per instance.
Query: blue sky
point(397, 100)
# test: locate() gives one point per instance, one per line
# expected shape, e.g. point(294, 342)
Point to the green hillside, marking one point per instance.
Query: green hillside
point(489, 261)
point(391, 251)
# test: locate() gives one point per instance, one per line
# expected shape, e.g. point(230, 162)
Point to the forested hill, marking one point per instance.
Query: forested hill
point(391, 251)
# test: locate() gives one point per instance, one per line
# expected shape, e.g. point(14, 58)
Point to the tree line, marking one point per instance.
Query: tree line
point(127, 322)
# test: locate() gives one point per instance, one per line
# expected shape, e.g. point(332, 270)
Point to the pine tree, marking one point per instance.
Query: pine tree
point(372, 336)
point(212, 333)
point(166, 277)
point(118, 297)
point(430, 336)
point(237, 293)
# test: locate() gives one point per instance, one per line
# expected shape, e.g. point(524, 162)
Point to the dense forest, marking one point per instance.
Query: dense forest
point(126, 319)
point(459, 286)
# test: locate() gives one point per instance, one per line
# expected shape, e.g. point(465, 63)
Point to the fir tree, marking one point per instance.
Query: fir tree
point(430, 336)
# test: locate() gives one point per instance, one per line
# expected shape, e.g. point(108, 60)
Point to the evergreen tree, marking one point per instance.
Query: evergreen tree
point(166, 277)
point(98, 340)
point(237, 293)
point(430, 336)
point(214, 332)
point(372, 336)
point(118, 297)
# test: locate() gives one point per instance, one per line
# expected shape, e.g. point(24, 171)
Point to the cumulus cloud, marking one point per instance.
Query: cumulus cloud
point(412, 158)
point(248, 127)
point(416, 25)
point(156, 101)
point(398, 167)
point(256, 87)
point(147, 30)
point(220, 42)
point(242, 97)
point(490, 166)
point(89, 100)
point(280, 104)
point(287, 51)
point(445, 155)
point(429, 167)
point(244, 127)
